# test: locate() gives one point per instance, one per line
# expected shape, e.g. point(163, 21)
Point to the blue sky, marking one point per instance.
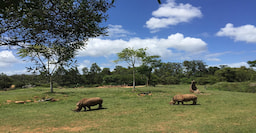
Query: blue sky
point(219, 32)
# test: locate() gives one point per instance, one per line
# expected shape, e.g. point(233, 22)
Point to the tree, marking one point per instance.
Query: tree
point(74, 74)
point(195, 68)
point(47, 59)
point(105, 71)
point(120, 76)
point(85, 71)
point(131, 56)
point(50, 25)
point(252, 63)
point(212, 70)
point(60, 76)
point(94, 76)
point(85, 75)
point(5, 81)
point(149, 63)
point(169, 73)
point(65, 22)
point(226, 74)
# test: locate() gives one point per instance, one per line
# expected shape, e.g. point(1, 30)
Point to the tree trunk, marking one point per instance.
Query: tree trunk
point(147, 82)
point(51, 83)
point(133, 75)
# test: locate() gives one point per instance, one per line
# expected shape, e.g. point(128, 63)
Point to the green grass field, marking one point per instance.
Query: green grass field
point(126, 112)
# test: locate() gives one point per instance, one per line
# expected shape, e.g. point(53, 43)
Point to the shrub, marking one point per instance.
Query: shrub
point(5, 81)
point(234, 86)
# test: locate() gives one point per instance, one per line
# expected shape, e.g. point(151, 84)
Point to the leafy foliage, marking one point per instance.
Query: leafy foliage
point(65, 22)
point(5, 81)
point(131, 57)
point(243, 78)
point(50, 31)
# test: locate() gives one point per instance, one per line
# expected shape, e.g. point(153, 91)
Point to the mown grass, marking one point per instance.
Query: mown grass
point(124, 111)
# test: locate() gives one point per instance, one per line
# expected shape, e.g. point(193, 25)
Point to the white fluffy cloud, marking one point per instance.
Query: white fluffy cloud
point(117, 31)
point(235, 65)
point(239, 64)
point(7, 58)
point(172, 13)
point(245, 33)
point(215, 56)
point(163, 47)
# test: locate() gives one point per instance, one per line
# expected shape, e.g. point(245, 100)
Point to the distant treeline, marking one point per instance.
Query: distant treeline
point(165, 73)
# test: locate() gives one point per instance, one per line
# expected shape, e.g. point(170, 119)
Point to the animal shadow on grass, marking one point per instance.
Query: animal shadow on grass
point(187, 104)
point(96, 109)
point(90, 110)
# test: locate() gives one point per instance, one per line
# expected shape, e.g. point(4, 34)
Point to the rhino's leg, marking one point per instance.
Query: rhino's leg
point(84, 108)
point(100, 106)
point(194, 102)
point(89, 107)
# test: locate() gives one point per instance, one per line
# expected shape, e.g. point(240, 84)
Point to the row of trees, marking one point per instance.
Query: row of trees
point(164, 73)
point(49, 32)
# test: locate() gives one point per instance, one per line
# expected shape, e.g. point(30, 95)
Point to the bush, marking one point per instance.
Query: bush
point(5, 81)
point(186, 80)
point(206, 80)
point(172, 80)
point(234, 86)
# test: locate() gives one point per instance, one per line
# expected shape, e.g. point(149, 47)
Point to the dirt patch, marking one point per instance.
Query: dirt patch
point(71, 129)
point(252, 84)
point(75, 127)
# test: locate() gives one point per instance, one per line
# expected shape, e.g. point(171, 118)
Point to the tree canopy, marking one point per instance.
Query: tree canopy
point(64, 22)
point(50, 31)
point(131, 56)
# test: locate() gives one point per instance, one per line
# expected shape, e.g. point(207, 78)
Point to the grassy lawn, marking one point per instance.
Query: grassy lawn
point(124, 111)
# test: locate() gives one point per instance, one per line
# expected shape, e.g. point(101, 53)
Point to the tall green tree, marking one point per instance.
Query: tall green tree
point(226, 74)
point(131, 56)
point(40, 26)
point(47, 59)
point(94, 74)
point(5, 81)
point(252, 63)
point(169, 73)
point(149, 63)
point(194, 68)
